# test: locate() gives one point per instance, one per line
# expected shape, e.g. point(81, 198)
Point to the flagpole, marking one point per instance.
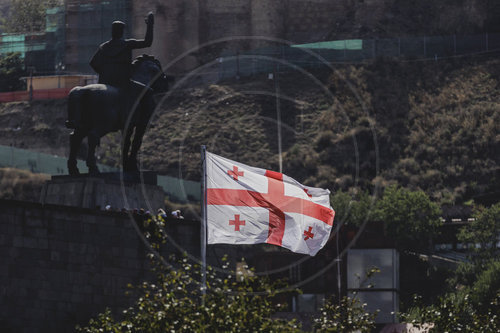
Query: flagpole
point(203, 229)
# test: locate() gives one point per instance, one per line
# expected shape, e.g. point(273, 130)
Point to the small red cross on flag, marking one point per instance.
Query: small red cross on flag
point(235, 173)
point(272, 207)
point(236, 222)
point(308, 233)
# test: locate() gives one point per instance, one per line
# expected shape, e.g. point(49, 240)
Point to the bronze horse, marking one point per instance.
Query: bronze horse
point(97, 109)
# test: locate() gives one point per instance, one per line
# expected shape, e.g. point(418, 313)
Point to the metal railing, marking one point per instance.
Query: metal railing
point(287, 58)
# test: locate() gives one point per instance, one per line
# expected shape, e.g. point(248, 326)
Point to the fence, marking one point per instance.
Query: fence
point(286, 58)
point(178, 190)
point(16, 96)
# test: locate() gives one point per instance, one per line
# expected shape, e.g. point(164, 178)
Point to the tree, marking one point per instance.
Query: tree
point(456, 313)
point(27, 15)
point(487, 286)
point(354, 210)
point(349, 315)
point(11, 70)
point(482, 234)
point(481, 275)
point(472, 303)
point(174, 303)
point(239, 302)
point(410, 218)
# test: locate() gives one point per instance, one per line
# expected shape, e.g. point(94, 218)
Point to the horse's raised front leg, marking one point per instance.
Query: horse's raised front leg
point(93, 141)
point(75, 140)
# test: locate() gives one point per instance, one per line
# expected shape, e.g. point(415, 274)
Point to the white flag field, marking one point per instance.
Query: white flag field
point(248, 205)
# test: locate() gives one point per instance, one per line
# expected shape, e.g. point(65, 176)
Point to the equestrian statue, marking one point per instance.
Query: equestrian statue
point(121, 100)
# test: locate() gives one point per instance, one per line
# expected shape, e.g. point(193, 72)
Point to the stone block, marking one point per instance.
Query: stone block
point(4, 270)
point(30, 242)
point(14, 253)
point(130, 253)
point(18, 241)
point(79, 248)
point(105, 189)
point(43, 243)
point(59, 245)
point(55, 255)
point(4, 240)
point(11, 219)
point(34, 221)
point(50, 295)
point(80, 298)
point(36, 232)
point(13, 230)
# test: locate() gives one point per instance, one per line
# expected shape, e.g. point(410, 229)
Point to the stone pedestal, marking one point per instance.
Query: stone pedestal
point(127, 190)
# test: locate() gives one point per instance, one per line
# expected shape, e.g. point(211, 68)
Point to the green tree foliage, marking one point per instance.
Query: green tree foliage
point(11, 70)
point(472, 302)
point(457, 313)
point(487, 286)
point(352, 209)
point(482, 234)
point(174, 303)
point(481, 275)
point(348, 315)
point(27, 15)
point(410, 217)
point(233, 302)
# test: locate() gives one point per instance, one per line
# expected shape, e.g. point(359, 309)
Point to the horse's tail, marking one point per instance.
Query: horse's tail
point(76, 105)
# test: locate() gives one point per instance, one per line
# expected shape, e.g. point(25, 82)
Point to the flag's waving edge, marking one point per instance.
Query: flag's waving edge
point(248, 205)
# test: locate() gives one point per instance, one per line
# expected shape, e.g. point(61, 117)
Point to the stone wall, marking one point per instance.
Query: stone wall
point(60, 265)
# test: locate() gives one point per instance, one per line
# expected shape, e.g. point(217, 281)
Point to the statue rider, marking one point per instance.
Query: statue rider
point(113, 59)
point(113, 63)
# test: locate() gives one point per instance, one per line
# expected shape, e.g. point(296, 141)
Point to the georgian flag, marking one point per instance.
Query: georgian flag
point(247, 205)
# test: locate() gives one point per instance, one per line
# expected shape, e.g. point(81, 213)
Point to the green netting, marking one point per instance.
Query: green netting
point(40, 50)
point(7, 38)
point(282, 58)
point(178, 190)
point(347, 44)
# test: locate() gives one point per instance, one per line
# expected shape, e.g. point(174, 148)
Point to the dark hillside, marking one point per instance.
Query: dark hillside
point(429, 125)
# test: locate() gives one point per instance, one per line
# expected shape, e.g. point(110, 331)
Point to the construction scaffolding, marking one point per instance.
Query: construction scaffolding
point(43, 52)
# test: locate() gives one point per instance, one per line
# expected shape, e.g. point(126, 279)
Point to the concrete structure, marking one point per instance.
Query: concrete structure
point(105, 189)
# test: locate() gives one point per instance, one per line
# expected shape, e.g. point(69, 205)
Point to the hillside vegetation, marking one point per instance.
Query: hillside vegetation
point(21, 184)
point(428, 125)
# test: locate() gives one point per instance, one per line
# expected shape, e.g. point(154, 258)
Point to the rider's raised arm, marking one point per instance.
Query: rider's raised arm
point(148, 39)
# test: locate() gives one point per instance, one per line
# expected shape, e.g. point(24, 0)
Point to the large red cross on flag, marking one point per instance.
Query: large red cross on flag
point(247, 205)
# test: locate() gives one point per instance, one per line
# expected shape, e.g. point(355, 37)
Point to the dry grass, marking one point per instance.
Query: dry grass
point(21, 184)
